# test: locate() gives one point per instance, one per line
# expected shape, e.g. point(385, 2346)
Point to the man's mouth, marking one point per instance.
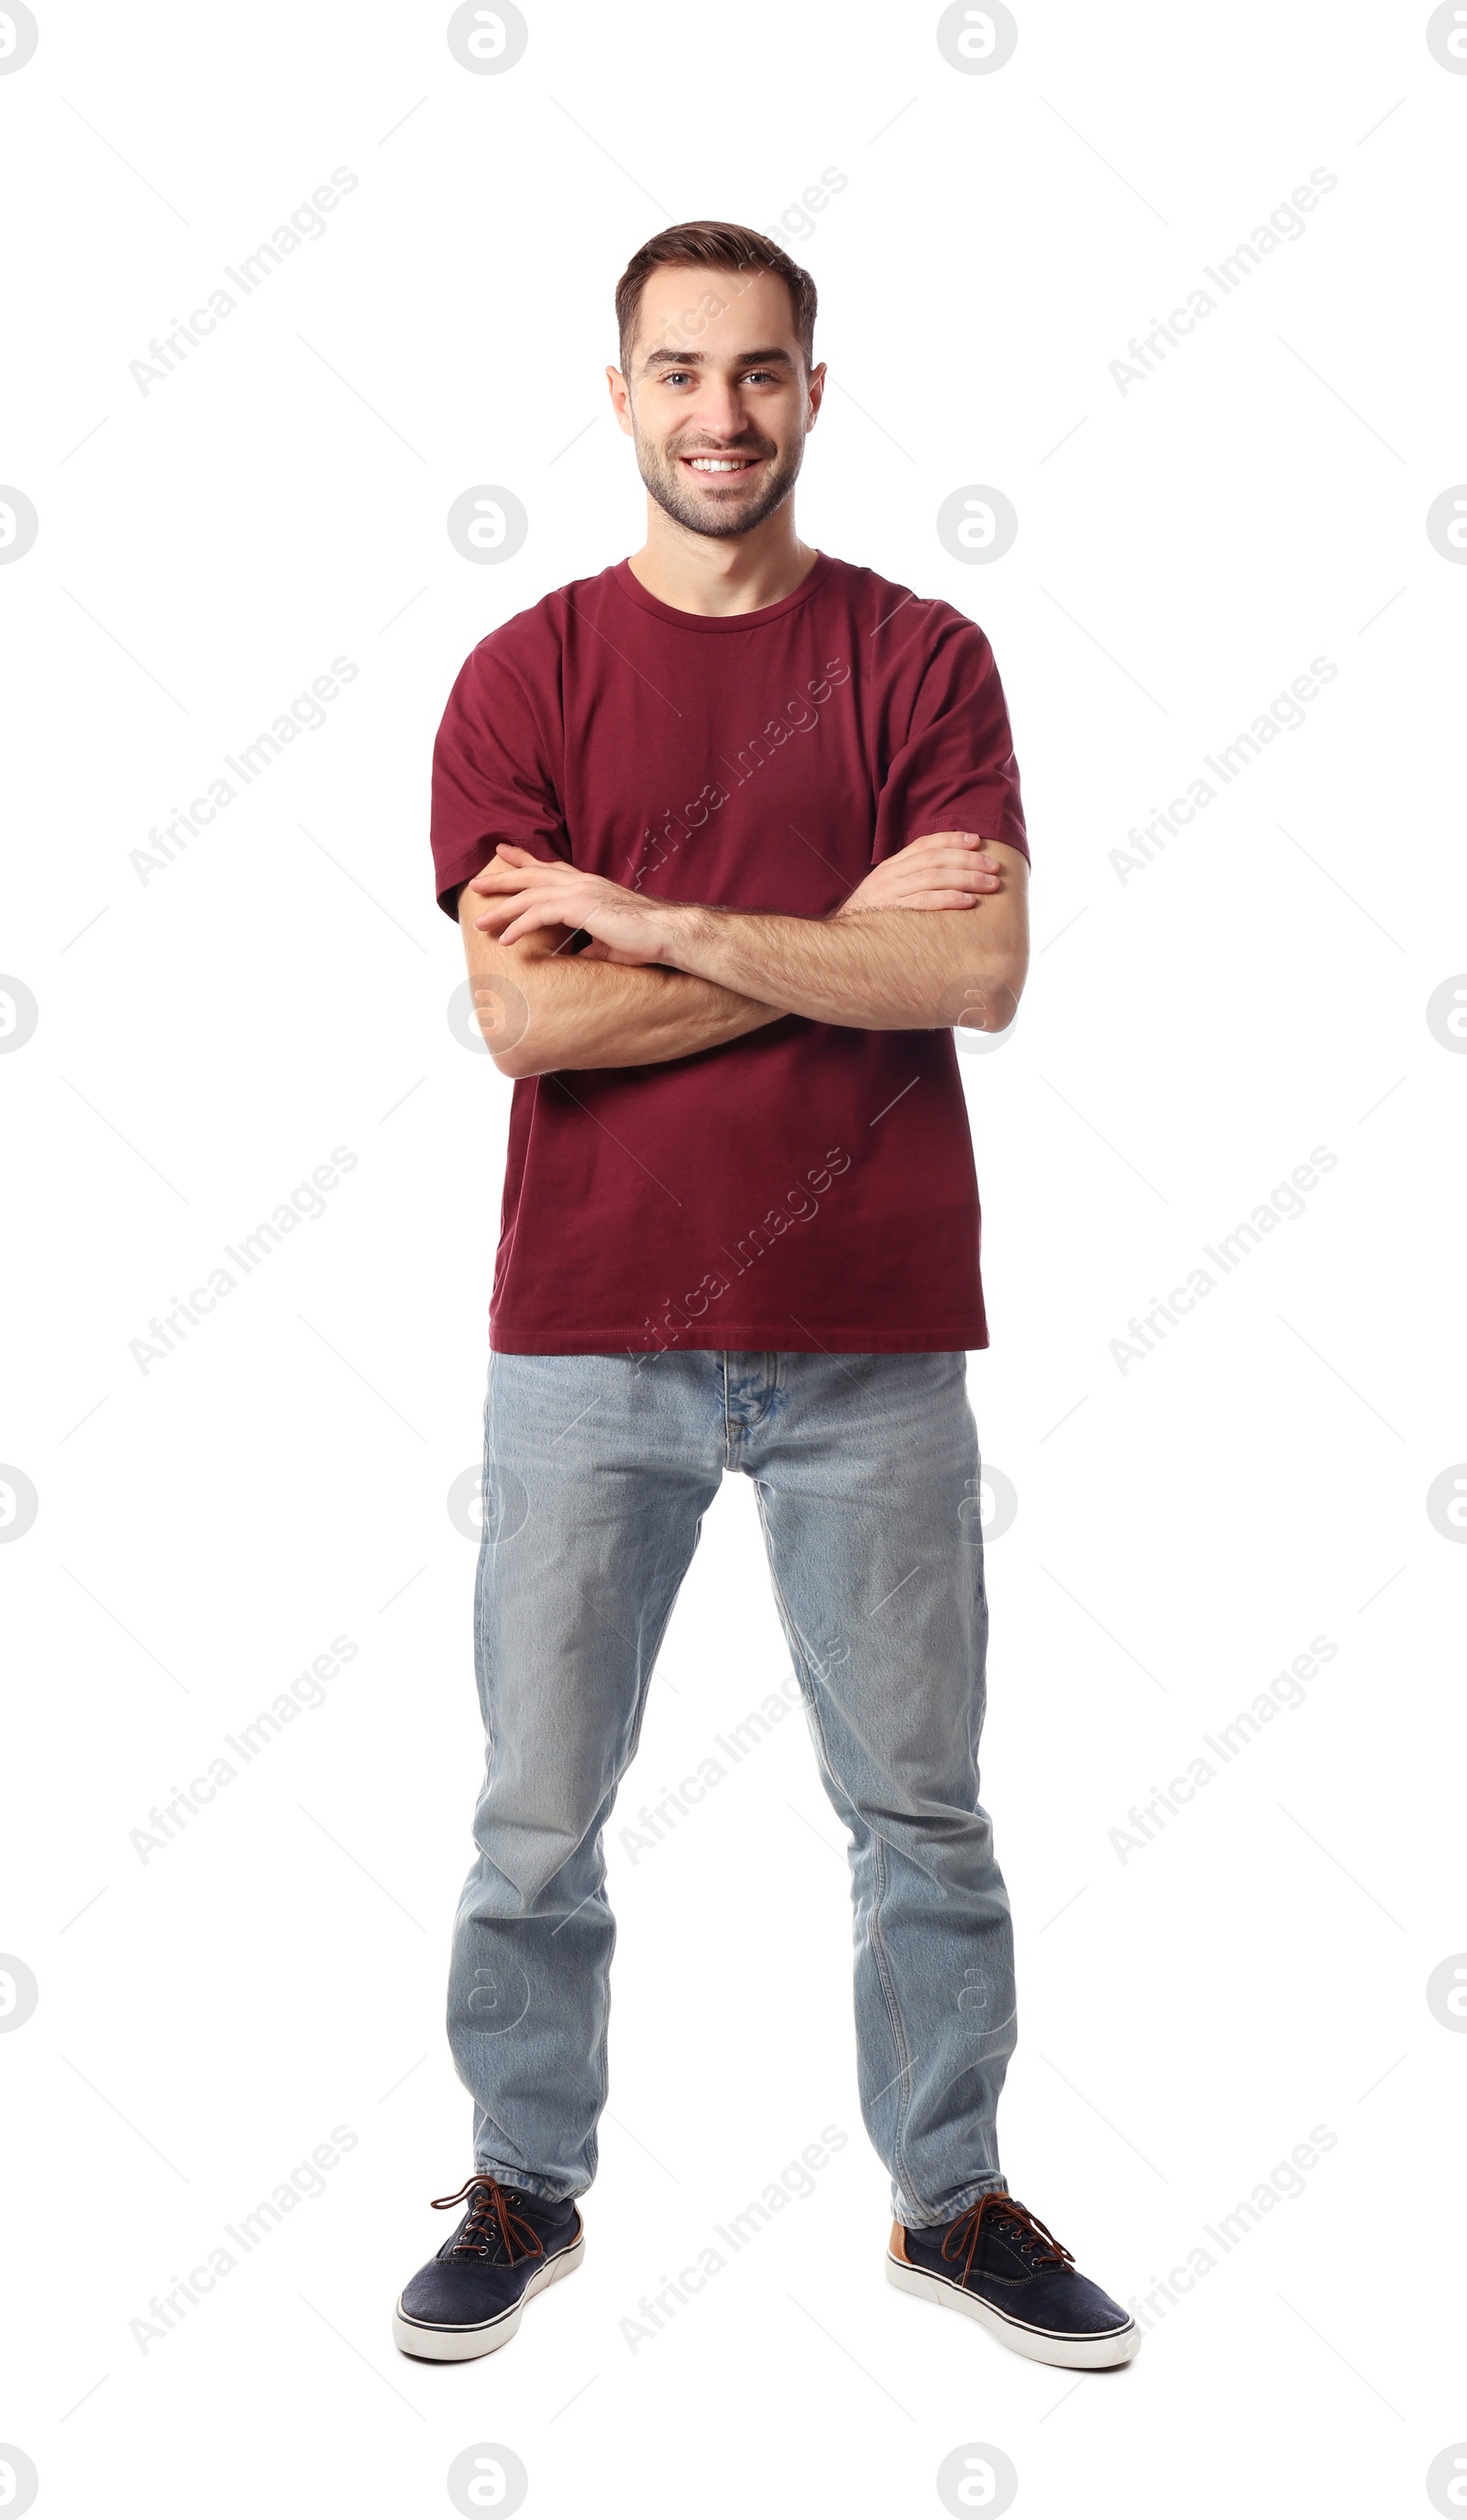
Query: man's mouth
point(719, 466)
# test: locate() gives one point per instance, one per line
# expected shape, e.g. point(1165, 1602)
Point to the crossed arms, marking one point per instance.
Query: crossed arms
point(935, 935)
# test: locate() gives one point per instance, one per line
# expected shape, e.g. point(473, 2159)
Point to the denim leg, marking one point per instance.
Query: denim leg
point(597, 1473)
point(867, 1474)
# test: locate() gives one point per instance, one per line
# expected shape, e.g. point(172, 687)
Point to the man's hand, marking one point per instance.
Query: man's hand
point(522, 893)
point(941, 870)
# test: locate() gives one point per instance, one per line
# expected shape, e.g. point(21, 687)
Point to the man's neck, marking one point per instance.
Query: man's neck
point(715, 574)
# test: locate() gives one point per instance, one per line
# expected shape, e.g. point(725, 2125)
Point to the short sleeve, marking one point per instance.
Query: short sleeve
point(493, 779)
point(955, 771)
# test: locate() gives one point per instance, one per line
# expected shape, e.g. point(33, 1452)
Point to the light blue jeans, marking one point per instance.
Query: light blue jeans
point(598, 1470)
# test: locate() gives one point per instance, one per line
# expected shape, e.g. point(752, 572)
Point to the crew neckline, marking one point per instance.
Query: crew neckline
point(636, 593)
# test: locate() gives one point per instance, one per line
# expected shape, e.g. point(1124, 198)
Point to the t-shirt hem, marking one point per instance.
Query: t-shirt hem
point(748, 1338)
point(469, 863)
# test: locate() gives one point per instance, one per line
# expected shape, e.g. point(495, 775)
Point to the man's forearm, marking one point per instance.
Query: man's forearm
point(610, 1021)
point(879, 969)
point(543, 1010)
point(874, 968)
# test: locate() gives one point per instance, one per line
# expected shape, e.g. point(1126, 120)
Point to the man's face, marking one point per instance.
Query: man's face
point(716, 398)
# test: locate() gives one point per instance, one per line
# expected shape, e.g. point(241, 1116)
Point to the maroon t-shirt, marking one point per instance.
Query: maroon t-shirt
point(809, 1186)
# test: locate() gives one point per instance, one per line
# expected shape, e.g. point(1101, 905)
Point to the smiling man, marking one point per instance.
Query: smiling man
point(734, 836)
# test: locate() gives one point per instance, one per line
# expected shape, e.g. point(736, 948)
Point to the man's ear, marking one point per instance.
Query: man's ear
point(621, 394)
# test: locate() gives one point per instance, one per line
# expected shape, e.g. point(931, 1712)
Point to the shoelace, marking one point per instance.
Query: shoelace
point(492, 2220)
point(1014, 2221)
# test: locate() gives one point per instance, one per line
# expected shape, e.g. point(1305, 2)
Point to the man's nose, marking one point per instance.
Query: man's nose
point(721, 412)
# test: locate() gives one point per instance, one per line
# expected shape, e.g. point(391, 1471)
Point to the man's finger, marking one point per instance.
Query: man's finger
point(962, 870)
point(525, 922)
point(497, 912)
point(511, 865)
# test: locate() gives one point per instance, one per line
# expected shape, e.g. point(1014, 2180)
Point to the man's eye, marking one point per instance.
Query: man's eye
point(762, 377)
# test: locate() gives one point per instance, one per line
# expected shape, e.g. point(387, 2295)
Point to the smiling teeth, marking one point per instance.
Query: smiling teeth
point(717, 464)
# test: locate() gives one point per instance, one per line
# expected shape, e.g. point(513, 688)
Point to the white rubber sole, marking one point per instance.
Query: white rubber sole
point(1039, 2344)
point(461, 2344)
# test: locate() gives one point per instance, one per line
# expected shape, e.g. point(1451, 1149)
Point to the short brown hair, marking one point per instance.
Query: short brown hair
point(715, 245)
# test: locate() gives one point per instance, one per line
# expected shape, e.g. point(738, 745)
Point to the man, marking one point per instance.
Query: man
point(734, 836)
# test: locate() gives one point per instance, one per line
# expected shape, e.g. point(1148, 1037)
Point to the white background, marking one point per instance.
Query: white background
point(206, 1038)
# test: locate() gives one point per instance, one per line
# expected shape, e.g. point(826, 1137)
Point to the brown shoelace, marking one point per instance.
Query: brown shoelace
point(490, 2212)
point(1037, 2241)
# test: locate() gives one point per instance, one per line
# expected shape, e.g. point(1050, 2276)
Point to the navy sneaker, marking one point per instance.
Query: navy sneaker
point(999, 2263)
point(471, 2297)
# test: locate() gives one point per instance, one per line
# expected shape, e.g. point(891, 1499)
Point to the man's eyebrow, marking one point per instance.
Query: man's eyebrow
point(699, 359)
